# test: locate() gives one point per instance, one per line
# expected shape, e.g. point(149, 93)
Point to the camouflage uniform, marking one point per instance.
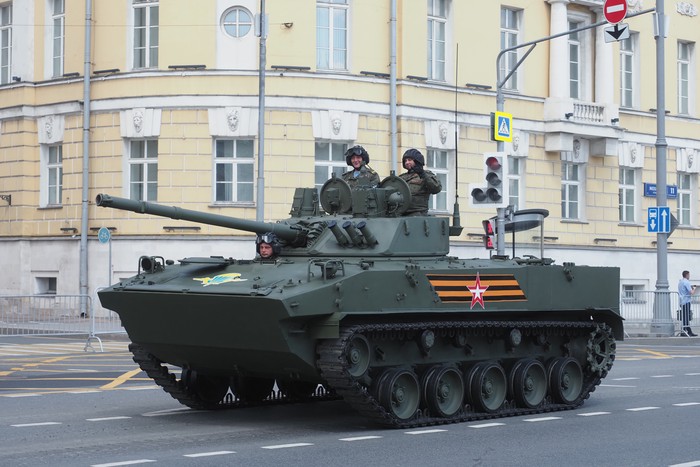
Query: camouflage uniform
point(366, 177)
point(422, 183)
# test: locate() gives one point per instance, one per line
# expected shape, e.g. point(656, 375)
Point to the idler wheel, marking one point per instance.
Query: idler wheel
point(443, 390)
point(565, 380)
point(251, 389)
point(601, 350)
point(208, 388)
point(358, 355)
point(529, 383)
point(399, 393)
point(488, 387)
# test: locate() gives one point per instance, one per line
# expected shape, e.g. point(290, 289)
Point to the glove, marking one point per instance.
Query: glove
point(418, 169)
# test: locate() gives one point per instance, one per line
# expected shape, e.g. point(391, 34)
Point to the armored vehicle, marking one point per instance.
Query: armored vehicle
point(365, 304)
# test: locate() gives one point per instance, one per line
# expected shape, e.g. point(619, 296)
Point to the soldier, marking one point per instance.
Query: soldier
point(361, 173)
point(267, 246)
point(422, 182)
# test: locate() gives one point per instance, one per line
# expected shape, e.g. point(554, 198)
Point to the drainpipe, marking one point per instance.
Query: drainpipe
point(84, 291)
point(392, 86)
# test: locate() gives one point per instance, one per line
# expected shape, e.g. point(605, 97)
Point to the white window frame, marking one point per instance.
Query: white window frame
point(325, 165)
point(510, 37)
point(583, 42)
point(437, 39)
point(237, 157)
point(687, 185)
point(5, 43)
point(150, 50)
point(626, 190)
point(58, 37)
point(51, 175)
point(516, 181)
point(578, 186)
point(139, 190)
point(629, 71)
point(337, 56)
point(686, 77)
point(235, 26)
point(444, 175)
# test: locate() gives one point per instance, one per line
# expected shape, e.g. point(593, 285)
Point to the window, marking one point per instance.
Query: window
point(570, 190)
point(515, 171)
point(233, 172)
point(143, 170)
point(627, 194)
point(628, 71)
point(510, 30)
point(46, 285)
point(59, 19)
point(332, 35)
point(685, 55)
point(145, 34)
point(634, 293)
point(437, 24)
point(54, 175)
point(330, 159)
point(575, 61)
point(5, 43)
point(237, 22)
point(685, 190)
point(438, 162)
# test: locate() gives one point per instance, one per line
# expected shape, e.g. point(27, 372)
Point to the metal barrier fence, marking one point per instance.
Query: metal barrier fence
point(637, 307)
point(22, 315)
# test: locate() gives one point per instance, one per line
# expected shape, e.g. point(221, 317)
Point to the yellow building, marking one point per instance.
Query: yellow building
point(172, 97)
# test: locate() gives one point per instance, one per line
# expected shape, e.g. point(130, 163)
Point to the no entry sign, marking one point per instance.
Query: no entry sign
point(615, 10)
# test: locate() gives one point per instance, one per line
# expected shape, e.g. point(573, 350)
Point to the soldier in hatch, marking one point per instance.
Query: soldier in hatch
point(361, 175)
point(267, 246)
point(421, 182)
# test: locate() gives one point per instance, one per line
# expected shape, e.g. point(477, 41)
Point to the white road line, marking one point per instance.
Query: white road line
point(686, 464)
point(687, 404)
point(641, 409)
point(29, 394)
point(662, 376)
point(104, 419)
point(23, 425)
point(142, 388)
point(87, 391)
point(117, 464)
point(285, 446)
point(207, 454)
point(617, 386)
point(163, 413)
point(542, 419)
point(592, 414)
point(624, 379)
point(692, 374)
point(486, 425)
point(360, 438)
point(424, 432)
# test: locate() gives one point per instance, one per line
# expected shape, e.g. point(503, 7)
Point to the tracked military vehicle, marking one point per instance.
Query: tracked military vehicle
point(366, 304)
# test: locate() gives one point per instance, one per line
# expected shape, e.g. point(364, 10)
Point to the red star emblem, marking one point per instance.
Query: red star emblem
point(477, 292)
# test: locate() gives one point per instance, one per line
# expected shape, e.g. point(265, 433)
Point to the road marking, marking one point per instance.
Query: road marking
point(486, 425)
point(662, 376)
point(542, 419)
point(692, 374)
point(641, 409)
point(162, 413)
point(24, 425)
point(117, 464)
point(687, 404)
point(104, 419)
point(686, 464)
point(424, 432)
point(285, 446)
point(625, 379)
point(656, 354)
point(121, 379)
point(360, 438)
point(29, 394)
point(592, 414)
point(616, 386)
point(206, 454)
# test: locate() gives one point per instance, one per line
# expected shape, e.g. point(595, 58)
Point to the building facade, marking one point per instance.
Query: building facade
point(169, 112)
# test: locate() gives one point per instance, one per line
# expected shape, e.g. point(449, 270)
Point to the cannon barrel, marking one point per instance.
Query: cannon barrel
point(293, 234)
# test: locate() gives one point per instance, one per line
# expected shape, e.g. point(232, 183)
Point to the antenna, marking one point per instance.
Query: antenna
point(456, 227)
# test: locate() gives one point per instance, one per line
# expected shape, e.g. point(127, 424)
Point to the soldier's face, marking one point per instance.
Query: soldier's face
point(409, 163)
point(265, 250)
point(356, 162)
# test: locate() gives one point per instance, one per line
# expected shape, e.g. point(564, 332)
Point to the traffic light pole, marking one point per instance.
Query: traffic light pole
point(500, 102)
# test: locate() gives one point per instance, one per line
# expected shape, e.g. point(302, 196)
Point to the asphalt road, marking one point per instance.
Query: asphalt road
point(60, 406)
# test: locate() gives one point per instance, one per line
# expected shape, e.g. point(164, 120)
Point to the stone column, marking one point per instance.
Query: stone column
point(604, 93)
point(558, 53)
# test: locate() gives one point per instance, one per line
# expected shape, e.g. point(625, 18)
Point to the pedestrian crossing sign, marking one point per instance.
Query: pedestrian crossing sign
point(502, 124)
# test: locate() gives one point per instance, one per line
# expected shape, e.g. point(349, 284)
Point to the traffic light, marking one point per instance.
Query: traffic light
point(495, 192)
point(489, 232)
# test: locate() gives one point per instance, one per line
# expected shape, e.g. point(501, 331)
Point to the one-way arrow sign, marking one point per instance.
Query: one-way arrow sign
point(618, 32)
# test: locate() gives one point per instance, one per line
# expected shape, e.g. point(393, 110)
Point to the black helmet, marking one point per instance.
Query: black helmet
point(356, 151)
point(269, 238)
point(414, 154)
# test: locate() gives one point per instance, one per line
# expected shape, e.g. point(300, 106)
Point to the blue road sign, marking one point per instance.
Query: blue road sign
point(650, 191)
point(659, 219)
point(104, 235)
